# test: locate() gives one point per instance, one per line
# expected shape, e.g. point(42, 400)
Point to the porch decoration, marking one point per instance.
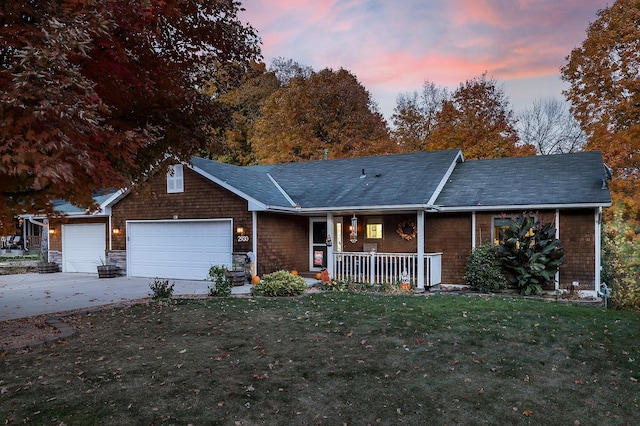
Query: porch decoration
point(405, 284)
point(353, 235)
point(407, 230)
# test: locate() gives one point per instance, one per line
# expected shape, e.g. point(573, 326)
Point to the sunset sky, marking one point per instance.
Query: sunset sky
point(394, 46)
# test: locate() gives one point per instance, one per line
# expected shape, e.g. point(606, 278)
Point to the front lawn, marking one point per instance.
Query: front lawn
point(333, 358)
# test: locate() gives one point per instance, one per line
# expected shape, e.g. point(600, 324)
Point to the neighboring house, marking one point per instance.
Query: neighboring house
point(368, 218)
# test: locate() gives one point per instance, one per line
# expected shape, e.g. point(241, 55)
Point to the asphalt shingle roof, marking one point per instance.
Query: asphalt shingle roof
point(562, 179)
point(388, 180)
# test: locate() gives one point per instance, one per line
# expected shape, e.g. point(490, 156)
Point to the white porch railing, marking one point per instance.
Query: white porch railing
point(379, 268)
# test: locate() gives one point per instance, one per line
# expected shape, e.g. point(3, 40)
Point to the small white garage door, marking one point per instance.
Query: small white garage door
point(177, 249)
point(83, 247)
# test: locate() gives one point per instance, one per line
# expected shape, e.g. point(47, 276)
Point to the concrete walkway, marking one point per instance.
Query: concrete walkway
point(25, 295)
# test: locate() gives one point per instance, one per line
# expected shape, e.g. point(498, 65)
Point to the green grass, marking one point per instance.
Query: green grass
point(334, 358)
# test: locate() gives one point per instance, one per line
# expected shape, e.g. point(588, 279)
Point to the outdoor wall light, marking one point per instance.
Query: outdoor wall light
point(240, 230)
point(116, 231)
point(353, 235)
point(52, 231)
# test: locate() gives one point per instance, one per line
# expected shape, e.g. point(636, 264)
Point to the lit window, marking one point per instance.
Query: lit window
point(374, 229)
point(175, 180)
point(502, 224)
point(499, 226)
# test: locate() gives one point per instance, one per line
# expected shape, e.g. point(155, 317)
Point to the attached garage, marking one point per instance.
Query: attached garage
point(83, 247)
point(178, 249)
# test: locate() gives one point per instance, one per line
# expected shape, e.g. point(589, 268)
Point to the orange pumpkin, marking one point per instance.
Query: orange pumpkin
point(294, 272)
point(255, 280)
point(405, 286)
point(318, 276)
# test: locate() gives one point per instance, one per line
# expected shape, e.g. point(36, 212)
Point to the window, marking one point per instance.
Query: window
point(500, 224)
point(374, 228)
point(175, 180)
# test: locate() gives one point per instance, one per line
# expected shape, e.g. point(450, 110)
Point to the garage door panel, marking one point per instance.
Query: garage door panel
point(178, 250)
point(83, 247)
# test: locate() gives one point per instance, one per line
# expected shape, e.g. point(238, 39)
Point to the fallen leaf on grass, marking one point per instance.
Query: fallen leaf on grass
point(260, 376)
point(182, 351)
point(633, 379)
point(527, 412)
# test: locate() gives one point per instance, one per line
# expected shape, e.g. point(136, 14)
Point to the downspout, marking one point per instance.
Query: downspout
point(598, 248)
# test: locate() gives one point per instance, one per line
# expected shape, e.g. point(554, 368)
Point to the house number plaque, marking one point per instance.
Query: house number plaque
point(243, 238)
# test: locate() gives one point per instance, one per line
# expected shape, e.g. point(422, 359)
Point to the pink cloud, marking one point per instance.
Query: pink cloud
point(400, 44)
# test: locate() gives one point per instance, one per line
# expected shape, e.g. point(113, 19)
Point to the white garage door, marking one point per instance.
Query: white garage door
point(83, 247)
point(177, 249)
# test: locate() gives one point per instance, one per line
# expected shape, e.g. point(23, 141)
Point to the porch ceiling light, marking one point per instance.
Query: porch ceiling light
point(353, 236)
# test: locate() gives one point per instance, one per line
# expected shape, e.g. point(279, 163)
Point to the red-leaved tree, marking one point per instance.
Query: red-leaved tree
point(96, 94)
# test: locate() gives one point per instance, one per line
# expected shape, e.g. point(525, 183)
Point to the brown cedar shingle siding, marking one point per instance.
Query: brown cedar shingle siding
point(283, 243)
point(449, 234)
point(577, 237)
point(201, 199)
point(391, 241)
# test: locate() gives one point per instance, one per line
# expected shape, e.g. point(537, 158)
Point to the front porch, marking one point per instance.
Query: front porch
point(380, 268)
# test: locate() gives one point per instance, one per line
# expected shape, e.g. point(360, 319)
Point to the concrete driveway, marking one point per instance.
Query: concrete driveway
point(25, 295)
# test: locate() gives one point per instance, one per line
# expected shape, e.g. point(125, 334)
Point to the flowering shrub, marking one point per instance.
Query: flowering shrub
point(484, 272)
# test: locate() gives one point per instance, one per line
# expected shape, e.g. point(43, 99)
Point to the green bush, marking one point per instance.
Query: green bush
point(222, 284)
point(530, 254)
point(280, 283)
point(484, 270)
point(161, 289)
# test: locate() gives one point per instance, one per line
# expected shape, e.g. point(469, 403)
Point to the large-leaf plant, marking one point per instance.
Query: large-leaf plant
point(530, 253)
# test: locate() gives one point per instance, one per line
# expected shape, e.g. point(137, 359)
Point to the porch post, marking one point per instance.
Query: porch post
point(557, 225)
point(254, 243)
point(420, 234)
point(330, 229)
point(473, 230)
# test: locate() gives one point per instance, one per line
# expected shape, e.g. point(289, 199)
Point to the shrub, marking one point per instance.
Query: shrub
point(621, 261)
point(530, 253)
point(484, 270)
point(221, 283)
point(280, 283)
point(161, 289)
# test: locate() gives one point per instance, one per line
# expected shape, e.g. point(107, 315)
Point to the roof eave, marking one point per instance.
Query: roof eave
point(525, 207)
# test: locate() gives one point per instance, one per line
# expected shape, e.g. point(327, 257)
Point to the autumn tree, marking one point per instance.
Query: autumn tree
point(478, 119)
point(95, 94)
point(288, 69)
point(605, 96)
point(328, 110)
point(550, 128)
point(414, 117)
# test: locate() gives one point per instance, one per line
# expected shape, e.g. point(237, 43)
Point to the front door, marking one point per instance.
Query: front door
point(318, 244)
